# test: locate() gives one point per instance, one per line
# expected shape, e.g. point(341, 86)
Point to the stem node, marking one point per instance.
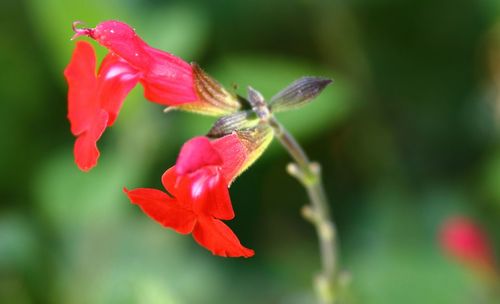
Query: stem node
point(309, 214)
point(294, 171)
point(324, 289)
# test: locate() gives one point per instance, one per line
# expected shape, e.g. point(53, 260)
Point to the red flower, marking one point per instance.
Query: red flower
point(167, 79)
point(94, 101)
point(463, 240)
point(200, 199)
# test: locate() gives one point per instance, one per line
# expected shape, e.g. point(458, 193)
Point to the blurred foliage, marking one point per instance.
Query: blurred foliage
point(407, 135)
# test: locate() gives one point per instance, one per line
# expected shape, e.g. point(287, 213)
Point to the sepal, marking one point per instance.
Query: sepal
point(255, 140)
point(227, 124)
point(298, 93)
point(213, 100)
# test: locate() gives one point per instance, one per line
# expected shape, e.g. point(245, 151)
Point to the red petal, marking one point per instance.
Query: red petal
point(115, 80)
point(85, 150)
point(166, 79)
point(205, 192)
point(81, 78)
point(233, 153)
point(196, 154)
point(209, 194)
point(163, 209)
point(169, 87)
point(94, 102)
point(169, 181)
point(219, 238)
point(178, 186)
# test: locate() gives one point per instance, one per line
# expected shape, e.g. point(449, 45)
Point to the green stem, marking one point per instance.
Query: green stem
point(309, 174)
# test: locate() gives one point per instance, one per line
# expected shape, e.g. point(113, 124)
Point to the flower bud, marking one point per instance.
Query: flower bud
point(463, 240)
point(298, 93)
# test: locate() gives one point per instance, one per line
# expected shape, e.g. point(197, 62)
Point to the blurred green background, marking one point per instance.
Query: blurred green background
point(408, 135)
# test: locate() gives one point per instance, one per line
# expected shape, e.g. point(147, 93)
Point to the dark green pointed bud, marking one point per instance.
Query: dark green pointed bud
point(227, 124)
point(298, 93)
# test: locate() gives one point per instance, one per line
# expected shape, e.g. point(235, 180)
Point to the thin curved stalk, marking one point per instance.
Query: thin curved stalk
point(317, 212)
